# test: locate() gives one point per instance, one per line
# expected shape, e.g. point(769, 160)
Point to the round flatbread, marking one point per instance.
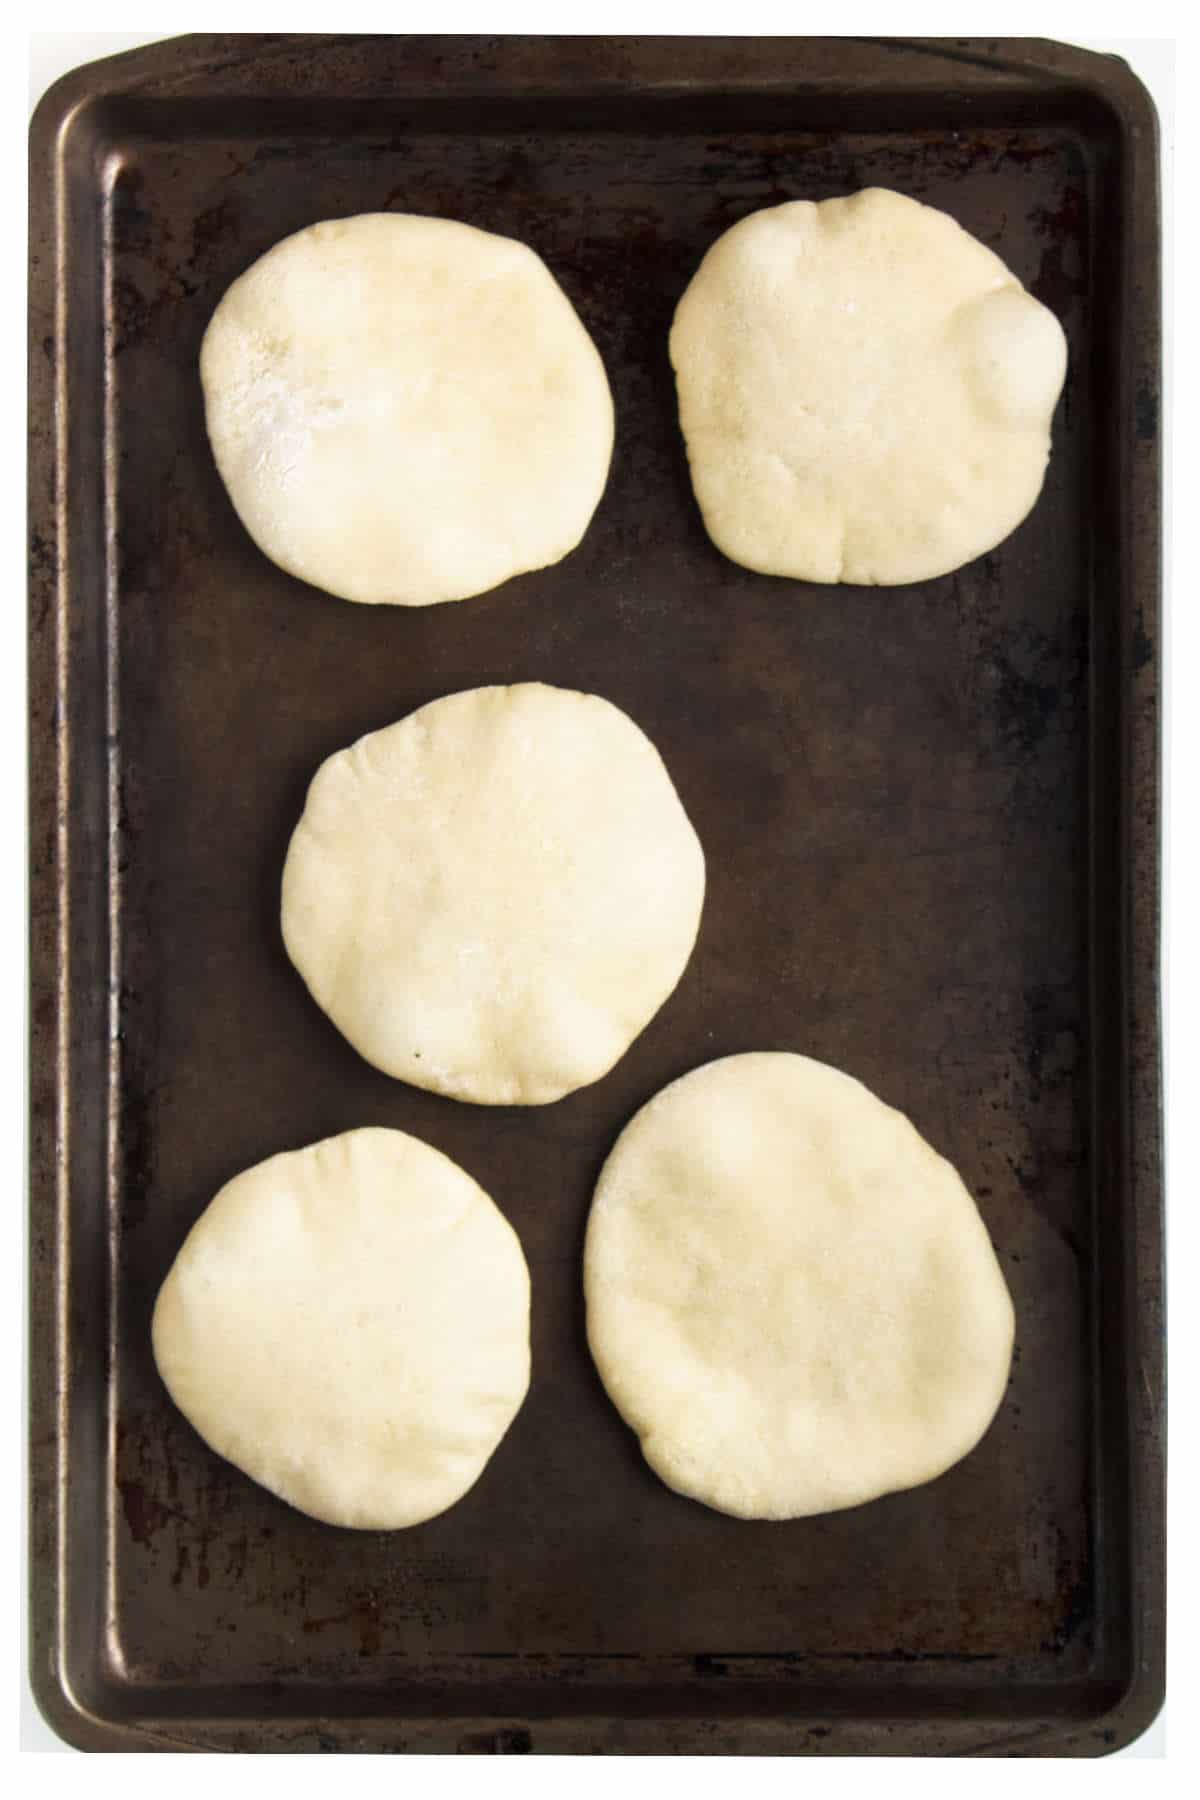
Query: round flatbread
point(406, 409)
point(791, 1297)
point(493, 897)
point(349, 1324)
point(865, 390)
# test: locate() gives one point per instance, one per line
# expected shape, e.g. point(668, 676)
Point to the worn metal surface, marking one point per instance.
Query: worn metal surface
point(930, 816)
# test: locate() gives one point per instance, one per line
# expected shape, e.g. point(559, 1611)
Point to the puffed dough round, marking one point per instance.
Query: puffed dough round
point(406, 409)
point(791, 1297)
point(865, 390)
point(493, 897)
point(349, 1324)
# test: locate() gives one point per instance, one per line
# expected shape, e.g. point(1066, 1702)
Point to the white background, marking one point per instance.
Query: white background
point(62, 47)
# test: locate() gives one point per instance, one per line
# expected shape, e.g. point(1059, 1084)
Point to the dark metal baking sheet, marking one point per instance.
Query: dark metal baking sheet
point(931, 820)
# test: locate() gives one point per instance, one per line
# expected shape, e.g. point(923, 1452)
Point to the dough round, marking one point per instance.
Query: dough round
point(349, 1324)
point(791, 1297)
point(406, 409)
point(865, 390)
point(493, 897)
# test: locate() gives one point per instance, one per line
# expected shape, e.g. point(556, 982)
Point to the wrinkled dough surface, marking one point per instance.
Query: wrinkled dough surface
point(406, 409)
point(493, 897)
point(349, 1324)
point(791, 1297)
point(865, 391)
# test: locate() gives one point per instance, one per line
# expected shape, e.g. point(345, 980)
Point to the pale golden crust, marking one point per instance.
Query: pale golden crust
point(493, 897)
point(349, 1324)
point(406, 410)
point(865, 391)
point(791, 1297)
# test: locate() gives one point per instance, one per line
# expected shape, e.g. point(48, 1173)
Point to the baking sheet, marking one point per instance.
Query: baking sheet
point(930, 817)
